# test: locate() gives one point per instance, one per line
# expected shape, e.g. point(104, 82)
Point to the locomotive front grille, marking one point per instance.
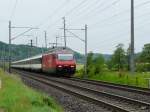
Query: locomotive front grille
point(65, 69)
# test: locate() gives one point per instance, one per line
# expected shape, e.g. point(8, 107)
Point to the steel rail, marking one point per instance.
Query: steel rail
point(143, 91)
point(82, 96)
point(129, 100)
point(139, 90)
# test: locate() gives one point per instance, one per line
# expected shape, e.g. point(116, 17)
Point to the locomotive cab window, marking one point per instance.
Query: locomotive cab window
point(65, 57)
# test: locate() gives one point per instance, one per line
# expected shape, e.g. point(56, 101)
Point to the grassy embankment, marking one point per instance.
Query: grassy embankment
point(138, 79)
point(16, 97)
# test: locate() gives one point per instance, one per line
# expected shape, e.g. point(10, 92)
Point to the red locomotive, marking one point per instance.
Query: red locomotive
point(57, 61)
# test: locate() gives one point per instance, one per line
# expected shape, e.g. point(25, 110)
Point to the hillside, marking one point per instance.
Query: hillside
point(19, 51)
point(24, 51)
point(106, 56)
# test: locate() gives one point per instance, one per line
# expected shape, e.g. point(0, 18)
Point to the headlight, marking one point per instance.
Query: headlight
point(72, 66)
point(60, 66)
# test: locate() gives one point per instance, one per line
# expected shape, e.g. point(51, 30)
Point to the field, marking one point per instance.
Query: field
point(137, 79)
point(16, 97)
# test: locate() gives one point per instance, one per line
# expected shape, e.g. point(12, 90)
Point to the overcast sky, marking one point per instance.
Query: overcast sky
point(108, 22)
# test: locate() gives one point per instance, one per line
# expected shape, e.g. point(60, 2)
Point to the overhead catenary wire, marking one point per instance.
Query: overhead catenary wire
point(120, 13)
point(104, 23)
point(74, 8)
point(143, 3)
point(140, 5)
point(120, 35)
point(21, 34)
point(82, 13)
point(116, 1)
point(85, 8)
point(107, 7)
point(46, 19)
point(70, 11)
point(53, 14)
point(137, 28)
point(76, 36)
point(98, 5)
point(67, 13)
point(105, 42)
point(50, 26)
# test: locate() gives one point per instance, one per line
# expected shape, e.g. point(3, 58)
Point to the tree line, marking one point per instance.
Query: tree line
point(119, 61)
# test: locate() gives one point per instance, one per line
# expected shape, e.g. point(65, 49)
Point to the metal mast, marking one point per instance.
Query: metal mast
point(64, 31)
point(132, 64)
point(9, 46)
point(45, 39)
point(85, 51)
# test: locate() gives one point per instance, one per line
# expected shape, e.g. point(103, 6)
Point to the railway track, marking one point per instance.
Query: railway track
point(139, 90)
point(114, 102)
point(131, 92)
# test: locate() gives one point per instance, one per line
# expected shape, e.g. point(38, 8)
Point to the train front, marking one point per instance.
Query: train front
point(65, 63)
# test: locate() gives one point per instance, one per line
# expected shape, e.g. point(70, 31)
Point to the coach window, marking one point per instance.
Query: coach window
point(32, 61)
point(39, 60)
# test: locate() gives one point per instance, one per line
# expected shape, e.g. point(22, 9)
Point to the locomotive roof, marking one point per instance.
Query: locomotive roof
point(58, 49)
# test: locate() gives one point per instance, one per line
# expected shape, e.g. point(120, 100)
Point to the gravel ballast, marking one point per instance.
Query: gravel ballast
point(69, 102)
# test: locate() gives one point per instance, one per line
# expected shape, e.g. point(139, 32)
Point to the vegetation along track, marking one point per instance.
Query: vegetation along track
point(112, 101)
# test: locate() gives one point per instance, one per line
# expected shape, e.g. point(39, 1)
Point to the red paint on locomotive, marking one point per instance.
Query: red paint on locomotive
point(61, 61)
point(48, 63)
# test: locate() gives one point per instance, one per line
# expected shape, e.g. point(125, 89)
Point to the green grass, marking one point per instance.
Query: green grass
point(16, 97)
point(138, 79)
point(79, 66)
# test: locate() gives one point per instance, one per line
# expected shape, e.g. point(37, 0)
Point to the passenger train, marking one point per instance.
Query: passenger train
point(58, 60)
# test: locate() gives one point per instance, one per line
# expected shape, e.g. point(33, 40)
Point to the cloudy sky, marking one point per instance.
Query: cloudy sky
point(108, 22)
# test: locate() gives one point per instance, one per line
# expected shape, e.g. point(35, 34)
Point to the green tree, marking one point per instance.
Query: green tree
point(145, 55)
point(99, 63)
point(89, 62)
point(89, 58)
point(110, 64)
point(119, 57)
point(95, 65)
point(143, 60)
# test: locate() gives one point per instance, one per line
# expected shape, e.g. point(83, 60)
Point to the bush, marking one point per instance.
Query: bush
point(143, 67)
point(79, 73)
point(95, 65)
point(91, 72)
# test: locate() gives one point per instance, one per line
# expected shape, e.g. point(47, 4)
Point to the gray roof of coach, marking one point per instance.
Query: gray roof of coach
point(26, 59)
